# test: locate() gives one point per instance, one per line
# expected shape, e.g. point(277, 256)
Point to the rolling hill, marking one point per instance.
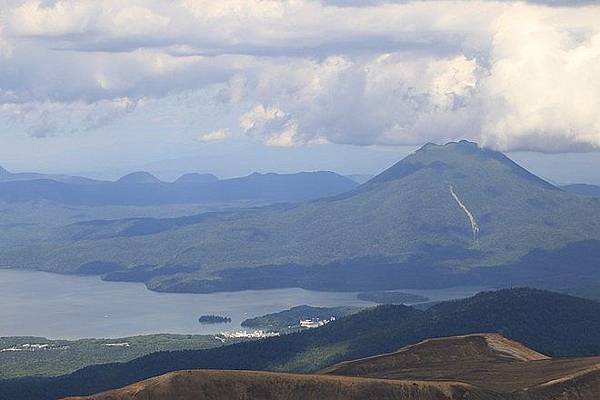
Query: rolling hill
point(552, 324)
point(488, 362)
point(253, 385)
point(139, 177)
point(196, 178)
point(446, 215)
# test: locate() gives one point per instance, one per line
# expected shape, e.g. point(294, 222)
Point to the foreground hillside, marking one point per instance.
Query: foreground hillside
point(251, 385)
point(440, 217)
point(448, 353)
point(553, 324)
point(488, 362)
point(479, 366)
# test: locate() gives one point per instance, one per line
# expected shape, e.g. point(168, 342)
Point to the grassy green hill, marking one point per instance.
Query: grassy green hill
point(37, 356)
point(439, 212)
point(551, 323)
point(289, 320)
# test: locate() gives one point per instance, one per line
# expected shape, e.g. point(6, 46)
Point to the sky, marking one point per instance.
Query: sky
point(102, 87)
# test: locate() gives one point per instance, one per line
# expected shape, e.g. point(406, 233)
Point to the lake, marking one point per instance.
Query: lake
point(57, 306)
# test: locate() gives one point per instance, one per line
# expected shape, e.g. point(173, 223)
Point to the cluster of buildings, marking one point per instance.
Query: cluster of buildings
point(315, 322)
point(26, 347)
point(259, 334)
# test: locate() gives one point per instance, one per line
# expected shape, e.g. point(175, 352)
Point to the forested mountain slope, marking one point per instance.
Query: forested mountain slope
point(425, 221)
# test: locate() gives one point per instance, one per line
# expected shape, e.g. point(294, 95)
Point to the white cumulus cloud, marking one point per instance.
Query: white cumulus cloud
point(214, 136)
point(511, 75)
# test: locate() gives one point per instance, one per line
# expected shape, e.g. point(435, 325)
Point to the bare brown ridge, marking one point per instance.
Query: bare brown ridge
point(471, 367)
point(247, 385)
point(482, 347)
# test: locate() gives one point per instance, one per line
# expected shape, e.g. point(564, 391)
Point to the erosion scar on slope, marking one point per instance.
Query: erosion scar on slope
point(472, 220)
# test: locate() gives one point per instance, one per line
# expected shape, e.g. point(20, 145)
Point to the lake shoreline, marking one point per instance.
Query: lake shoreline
point(66, 306)
point(269, 284)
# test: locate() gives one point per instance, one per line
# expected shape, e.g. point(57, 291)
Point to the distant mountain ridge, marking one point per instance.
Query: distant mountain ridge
point(7, 176)
point(133, 177)
point(143, 189)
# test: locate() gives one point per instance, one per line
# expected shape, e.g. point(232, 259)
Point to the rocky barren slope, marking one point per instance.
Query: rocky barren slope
point(479, 366)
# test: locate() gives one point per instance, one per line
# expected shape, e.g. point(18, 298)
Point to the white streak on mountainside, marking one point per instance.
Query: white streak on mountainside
point(472, 220)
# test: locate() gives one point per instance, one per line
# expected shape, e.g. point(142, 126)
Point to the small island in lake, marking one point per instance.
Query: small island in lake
point(214, 319)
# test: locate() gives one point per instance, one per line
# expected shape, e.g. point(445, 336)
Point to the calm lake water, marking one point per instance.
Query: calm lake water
point(67, 306)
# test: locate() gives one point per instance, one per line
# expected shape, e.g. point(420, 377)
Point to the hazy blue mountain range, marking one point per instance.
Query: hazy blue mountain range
point(445, 215)
point(7, 176)
point(551, 323)
point(144, 189)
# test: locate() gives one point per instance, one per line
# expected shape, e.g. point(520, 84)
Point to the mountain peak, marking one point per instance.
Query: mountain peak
point(139, 177)
point(462, 146)
point(432, 155)
point(453, 153)
point(462, 158)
